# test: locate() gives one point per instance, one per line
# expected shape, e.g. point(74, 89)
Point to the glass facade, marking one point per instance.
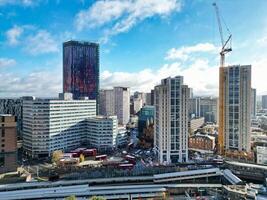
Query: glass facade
point(233, 102)
point(81, 69)
point(146, 114)
point(237, 107)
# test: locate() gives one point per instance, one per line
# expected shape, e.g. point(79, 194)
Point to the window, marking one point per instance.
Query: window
point(3, 132)
point(2, 161)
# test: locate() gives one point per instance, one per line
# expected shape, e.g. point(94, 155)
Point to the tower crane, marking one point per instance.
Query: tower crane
point(226, 48)
point(226, 45)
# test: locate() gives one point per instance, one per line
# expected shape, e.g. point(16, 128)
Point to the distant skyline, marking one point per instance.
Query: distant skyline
point(141, 42)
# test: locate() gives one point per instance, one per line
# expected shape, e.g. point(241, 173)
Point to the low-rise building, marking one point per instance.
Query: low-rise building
point(102, 132)
point(261, 152)
point(145, 118)
point(241, 192)
point(202, 143)
point(122, 138)
point(13, 107)
point(8, 143)
point(196, 123)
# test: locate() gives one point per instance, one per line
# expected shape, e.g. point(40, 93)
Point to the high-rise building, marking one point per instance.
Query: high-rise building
point(148, 99)
point(253, 102)
point(264, 101)
point(191, 95)
point(235, 108)
point(171, 120)
point(152, 97)
point(55, 124)
point(122, 104)
point(8, 143)
point(13, 107)
point(137, 104)
point(204, 107)
point(81, 69)
point(102, 132)
point(106, 102)
point(137, 101)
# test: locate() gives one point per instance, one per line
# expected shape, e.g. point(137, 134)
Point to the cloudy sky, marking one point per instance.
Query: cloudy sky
point(141, 42)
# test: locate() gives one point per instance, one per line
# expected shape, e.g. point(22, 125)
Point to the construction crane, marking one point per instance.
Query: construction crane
point(226, 45)
point(226, 48)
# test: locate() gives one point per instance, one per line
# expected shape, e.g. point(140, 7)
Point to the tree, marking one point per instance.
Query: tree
point(82, 158)
point(56, 156)
point(97, 198)
point(147, 138)
point(72, 197)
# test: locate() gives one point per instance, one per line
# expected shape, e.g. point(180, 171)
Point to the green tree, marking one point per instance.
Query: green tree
point(97, 198)
point(56, 156)
point(72, 197)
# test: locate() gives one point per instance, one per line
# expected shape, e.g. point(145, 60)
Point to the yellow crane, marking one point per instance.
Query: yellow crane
point(226, 48)
point(226, 45)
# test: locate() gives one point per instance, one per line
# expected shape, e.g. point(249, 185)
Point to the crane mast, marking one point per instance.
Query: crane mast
point(225, 48)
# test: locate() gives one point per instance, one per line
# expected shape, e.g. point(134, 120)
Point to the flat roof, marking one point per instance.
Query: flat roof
point(247, 165)
point(184, 173)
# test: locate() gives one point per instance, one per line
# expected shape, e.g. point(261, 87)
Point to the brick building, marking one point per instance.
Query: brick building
point(204, 143)
point(8, 143)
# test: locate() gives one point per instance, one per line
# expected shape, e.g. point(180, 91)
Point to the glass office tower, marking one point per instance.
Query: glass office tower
point(81, 69)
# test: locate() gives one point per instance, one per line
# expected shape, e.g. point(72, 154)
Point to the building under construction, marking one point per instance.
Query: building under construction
point(234, 101)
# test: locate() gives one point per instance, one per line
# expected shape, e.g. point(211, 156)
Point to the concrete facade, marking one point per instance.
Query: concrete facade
point(55, 124)
point(206, 107)
point(253, 102)
point(122, 104)
point(264, 101)
point(171, 120)
point(106, 103)
point(102, 132)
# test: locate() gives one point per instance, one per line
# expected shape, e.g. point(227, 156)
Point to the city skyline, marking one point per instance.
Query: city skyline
point(180, 38)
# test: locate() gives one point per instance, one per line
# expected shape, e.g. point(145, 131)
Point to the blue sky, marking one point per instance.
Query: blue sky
point(141, 42)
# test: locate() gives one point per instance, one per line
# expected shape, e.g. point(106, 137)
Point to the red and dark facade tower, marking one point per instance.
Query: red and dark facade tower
point(81, 69)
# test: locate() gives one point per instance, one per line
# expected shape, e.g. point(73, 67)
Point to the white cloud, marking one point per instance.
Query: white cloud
point(145, 80)
point(40, 43)
point(262, 41)
point(259, 71)
point(184, 52)
point(6, 62)
point(13, 35)
point(100, 13)
point(40, 84)
point(123, 14)
point(199, 75)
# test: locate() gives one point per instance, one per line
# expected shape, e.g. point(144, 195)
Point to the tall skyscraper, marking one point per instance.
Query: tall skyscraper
point(106, 102)
point(81, 69)
point(122, 104)
point(253, 102)
point(171, 120)
point(264, 101)
point(235, 108)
